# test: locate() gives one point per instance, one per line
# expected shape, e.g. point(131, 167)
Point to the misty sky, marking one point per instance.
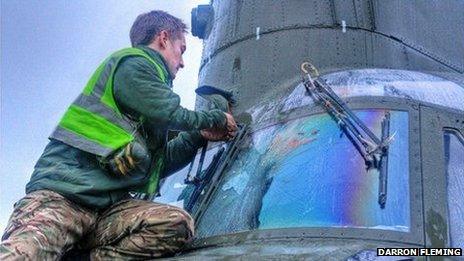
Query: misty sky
point(49, 48)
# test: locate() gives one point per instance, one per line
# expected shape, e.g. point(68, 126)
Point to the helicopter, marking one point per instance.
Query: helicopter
point(352, 130)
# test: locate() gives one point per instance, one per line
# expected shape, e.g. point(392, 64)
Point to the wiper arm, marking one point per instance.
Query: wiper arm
point(212, 174)
point(201, 179)
point(196, 179)
point(372, 149)
point(321, 84)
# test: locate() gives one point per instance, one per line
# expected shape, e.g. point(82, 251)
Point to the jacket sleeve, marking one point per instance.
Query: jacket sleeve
point(139, 90)
point(181, 150)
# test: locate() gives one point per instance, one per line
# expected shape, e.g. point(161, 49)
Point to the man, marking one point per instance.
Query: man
point(113, 140)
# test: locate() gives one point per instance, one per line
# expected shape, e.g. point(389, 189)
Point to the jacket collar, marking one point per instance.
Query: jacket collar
point(158, 57)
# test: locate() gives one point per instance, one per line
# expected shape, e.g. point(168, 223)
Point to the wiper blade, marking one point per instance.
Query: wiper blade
point(372, 149)
point(383, 175)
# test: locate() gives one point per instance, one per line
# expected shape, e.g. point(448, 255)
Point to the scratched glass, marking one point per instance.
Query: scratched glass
point(306, 173)
point(454, 160)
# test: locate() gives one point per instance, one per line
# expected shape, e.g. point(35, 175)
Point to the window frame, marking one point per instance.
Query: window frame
point(414, 236)
point(434, 122)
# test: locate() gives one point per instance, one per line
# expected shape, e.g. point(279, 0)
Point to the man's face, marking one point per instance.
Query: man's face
point(175, 48)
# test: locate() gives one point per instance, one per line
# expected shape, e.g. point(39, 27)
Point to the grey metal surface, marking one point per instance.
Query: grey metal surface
point(434, 27)
point(292, 249)
point(420, 35)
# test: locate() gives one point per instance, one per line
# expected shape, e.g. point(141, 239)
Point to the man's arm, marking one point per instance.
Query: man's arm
point(181, 150)
point(140, 91)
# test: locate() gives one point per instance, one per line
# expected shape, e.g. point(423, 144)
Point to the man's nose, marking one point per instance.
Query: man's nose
point(181, 63)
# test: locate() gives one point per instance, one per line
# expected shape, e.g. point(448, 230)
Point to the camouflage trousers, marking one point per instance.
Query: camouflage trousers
point(44, 225)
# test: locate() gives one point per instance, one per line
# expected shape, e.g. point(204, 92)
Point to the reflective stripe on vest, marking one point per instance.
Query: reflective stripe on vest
point(93, 122)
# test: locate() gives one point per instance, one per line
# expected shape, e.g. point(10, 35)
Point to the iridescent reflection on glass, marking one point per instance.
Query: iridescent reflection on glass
point(454, 160)
point(306, 173)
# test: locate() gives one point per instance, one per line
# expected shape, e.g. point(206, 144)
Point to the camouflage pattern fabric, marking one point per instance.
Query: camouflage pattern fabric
point(44, 225)
point(140, 229)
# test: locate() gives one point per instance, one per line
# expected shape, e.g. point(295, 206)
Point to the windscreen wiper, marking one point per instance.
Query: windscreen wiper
point(201, 180)
point(373, 150)
point(204, 180)
point(196, 179)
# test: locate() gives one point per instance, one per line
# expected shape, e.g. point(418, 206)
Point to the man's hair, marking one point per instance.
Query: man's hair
point(148, 25)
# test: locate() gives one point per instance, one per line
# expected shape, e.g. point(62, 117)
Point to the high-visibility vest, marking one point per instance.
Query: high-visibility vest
point(93, 123)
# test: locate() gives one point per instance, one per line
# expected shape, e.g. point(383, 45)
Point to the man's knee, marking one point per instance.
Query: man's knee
point(42, 226)
point(172, 222)
point(28, 243)
point(184, 224)
point(149, 230)
point(11, 249)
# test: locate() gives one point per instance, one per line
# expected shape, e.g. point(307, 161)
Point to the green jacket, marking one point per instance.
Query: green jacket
point(138, 91)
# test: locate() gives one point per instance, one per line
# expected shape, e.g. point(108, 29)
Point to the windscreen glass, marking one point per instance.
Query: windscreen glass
point(307, 173)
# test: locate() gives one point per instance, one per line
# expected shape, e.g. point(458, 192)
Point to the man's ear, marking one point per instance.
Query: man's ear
point(163, 39)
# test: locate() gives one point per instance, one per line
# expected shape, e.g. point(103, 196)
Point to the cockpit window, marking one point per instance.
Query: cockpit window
point(454, 155)
point(306, 173)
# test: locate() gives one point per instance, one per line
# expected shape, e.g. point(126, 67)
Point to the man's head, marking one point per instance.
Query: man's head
point(163, 33)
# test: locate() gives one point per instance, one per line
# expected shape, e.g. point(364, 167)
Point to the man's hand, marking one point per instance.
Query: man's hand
point(231, 125)
point(215, 134)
